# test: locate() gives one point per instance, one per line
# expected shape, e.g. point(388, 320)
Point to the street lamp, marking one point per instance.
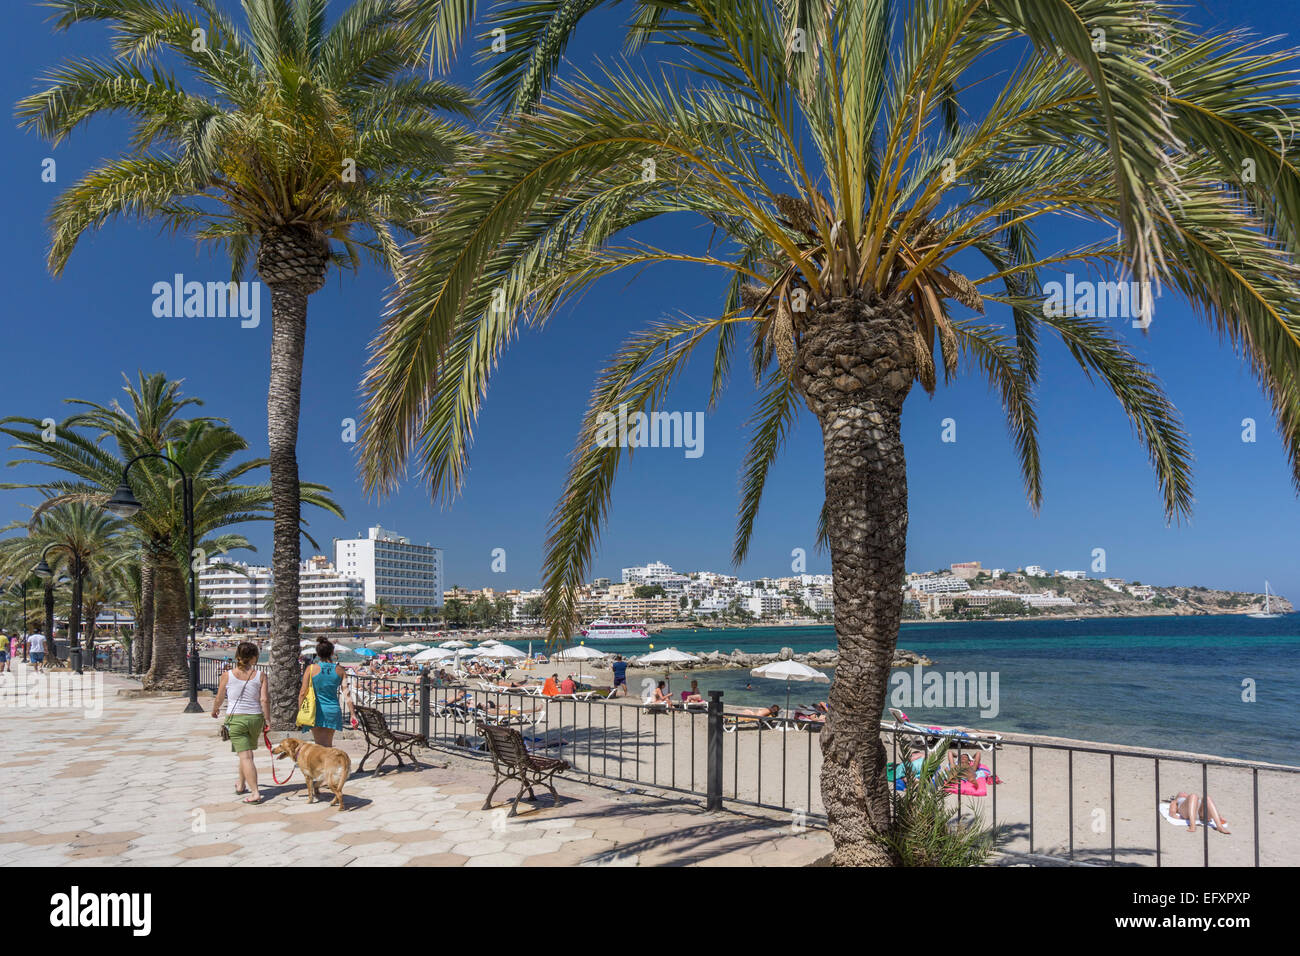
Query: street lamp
point(124, 504)
point(26, 633)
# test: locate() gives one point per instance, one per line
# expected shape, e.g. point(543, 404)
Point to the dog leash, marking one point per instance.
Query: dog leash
point(267, 737)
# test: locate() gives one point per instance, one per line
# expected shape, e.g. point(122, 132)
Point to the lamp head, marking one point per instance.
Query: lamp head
point(124, 503)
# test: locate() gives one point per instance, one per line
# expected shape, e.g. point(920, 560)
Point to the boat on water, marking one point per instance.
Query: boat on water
point(607, 630)
point(1268, 612)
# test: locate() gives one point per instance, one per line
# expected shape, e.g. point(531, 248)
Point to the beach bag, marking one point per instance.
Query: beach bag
point(307, 712)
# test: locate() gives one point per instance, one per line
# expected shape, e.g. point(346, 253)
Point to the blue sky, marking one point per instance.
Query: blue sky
point(74, 337)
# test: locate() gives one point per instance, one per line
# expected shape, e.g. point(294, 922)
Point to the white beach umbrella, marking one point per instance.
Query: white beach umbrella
point(433, 654)
point(454, 645)
point(489, 643)
point(381, 643)
point(506, 652)
point(579, 653)
point(668, 657)
point(788, 671)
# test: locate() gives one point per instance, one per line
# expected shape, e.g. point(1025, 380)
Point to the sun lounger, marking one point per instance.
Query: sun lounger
point(929, 738)
point(733, 722)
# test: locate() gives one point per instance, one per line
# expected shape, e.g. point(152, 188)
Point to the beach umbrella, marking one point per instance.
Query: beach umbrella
point(668, 657)
point(579, 653)
point(432, 654)
point(367, 652)
point(381, 643)
point(454, 645)
point(788, 671)
point(489, 643)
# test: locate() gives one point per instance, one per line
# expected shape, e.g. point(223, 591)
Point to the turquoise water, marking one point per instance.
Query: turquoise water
point(1173, 682)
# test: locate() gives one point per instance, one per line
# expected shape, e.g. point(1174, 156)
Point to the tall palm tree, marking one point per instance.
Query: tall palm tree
point(291, 144)
point(826, 145)
point(91, 449)
point(348, 608)
point(381, 610)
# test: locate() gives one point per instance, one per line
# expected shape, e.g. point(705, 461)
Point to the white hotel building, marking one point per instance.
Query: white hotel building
point(238, 593)
point(391, 567)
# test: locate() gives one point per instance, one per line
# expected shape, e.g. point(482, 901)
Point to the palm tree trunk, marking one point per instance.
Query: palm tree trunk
point(142, 646)
point(168, 670)
point(854, 368)
point(49, 616)
point(292, 262)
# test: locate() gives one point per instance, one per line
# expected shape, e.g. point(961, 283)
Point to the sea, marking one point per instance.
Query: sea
point(1227, 685)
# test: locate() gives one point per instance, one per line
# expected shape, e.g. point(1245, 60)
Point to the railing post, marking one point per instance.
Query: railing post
point(713, 799)
point(424, 702)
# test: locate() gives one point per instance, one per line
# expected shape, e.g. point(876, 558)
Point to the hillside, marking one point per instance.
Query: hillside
point(1094, 599)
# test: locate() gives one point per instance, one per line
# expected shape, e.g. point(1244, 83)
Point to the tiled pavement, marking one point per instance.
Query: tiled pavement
point(134, 781)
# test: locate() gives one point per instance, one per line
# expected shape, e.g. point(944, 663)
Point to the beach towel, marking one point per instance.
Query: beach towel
point(1179, 821)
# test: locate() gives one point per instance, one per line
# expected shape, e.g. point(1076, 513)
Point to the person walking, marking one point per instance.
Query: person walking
point(36, 650)
point(4, 651)
point(248, 711)
point(326, 678)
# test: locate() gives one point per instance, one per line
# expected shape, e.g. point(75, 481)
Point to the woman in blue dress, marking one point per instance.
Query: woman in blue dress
point(327, 679)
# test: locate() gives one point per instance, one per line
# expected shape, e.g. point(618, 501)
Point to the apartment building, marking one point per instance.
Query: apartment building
point(392, 568)
point(238, 593)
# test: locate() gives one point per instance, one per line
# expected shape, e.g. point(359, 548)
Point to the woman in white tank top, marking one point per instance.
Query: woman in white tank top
point(248, 711)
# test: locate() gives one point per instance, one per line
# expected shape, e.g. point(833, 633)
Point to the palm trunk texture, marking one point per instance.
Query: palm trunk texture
point(292, 262)
point(854, 368)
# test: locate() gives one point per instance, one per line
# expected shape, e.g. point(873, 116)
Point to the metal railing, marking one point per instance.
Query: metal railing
point(1078, 803)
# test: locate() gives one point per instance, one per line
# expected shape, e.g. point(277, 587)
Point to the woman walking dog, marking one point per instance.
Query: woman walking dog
point(249, 710)
point(324, 678)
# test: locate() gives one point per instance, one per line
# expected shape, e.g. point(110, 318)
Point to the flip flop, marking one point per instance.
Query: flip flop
point(254, 800)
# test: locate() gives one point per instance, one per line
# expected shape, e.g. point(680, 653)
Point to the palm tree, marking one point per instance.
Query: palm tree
point(85, 538)
point(826, 145)
point(348, 609)
point(83, 449)
point(296, 146)
point(381, 610)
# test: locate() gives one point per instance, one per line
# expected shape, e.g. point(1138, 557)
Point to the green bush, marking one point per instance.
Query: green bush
point(926, 831)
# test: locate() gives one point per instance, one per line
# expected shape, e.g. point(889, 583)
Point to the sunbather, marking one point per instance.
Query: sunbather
point(1190, 807)
point(693, 696)
point(662, 696)
point(758, 711)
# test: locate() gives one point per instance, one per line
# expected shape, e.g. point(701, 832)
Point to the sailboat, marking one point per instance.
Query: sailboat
point(1267, 612)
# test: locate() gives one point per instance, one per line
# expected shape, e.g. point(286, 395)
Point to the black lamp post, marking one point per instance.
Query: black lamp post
point(26, 632)
point(124, 504)
point(44, 572)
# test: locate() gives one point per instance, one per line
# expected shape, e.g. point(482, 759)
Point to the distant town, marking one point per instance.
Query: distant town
point(381, 577)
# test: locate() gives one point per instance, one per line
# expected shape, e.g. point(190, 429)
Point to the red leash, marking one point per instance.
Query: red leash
point(267, 737)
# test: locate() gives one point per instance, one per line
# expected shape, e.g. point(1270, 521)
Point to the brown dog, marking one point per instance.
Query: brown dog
point(318, 764)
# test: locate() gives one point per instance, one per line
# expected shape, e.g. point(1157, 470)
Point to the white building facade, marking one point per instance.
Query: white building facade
point(238, 594)
point(392, 568)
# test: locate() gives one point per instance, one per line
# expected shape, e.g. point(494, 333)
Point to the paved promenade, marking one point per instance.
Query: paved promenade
point(91, 778)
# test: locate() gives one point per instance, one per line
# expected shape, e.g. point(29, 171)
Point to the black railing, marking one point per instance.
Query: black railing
point(1086, 804)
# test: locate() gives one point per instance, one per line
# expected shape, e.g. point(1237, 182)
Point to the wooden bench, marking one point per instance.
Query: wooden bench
point(512, 761)
point(382, 739)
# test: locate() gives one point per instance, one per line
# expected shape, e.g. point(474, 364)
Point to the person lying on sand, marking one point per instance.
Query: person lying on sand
point(758, 711)
point(1190, 807)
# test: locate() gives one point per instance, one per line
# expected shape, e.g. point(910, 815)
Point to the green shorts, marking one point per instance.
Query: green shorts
point(245, 731)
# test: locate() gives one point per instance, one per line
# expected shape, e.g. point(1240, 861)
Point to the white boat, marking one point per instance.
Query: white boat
point(1268, 611)
point(607, 630)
